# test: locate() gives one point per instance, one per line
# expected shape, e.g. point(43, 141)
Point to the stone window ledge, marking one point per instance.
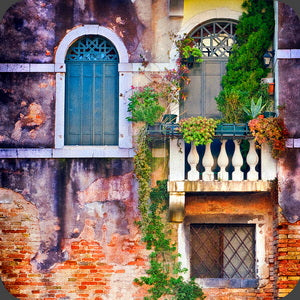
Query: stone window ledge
point(227, 283)
point(68, 152)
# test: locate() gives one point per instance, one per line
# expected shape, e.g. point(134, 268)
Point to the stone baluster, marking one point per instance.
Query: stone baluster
point(208, 162)
point(252, 160)
point(193, 160)
point(177, 160)
point(237, 162)
point(268, 163)
point(223, 162)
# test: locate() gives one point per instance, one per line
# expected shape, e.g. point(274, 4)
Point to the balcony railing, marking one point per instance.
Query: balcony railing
point(222, 166)
point(222, 160)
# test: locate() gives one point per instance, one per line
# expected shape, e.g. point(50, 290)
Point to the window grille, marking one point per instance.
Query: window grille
point(222, 251)
point(92, 48)
point(215, 39)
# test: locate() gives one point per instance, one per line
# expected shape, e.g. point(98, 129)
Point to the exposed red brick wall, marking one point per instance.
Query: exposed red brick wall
point(288, 256)
point(92, 270)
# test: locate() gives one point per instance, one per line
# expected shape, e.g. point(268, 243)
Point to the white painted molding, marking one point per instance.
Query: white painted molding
point(261, 229)
point(218, 13)
point(68, 152)
point(14, 68)
point(125, 82)
point(61, 67)
point(287, 53)
point(189, 25)
point(60, 110)
point(293, 143)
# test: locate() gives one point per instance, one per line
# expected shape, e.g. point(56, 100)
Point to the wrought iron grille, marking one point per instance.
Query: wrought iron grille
point(215, 39)
point(222, 251)
point(92, 48)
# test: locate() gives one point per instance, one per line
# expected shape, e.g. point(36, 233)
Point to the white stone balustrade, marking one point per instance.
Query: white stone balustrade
point(237, 162)
point(223, 162)
point(216, 170)
point(266, 170)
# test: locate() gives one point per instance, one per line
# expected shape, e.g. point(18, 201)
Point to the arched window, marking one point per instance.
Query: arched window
point(215, 39)
point(92, 92)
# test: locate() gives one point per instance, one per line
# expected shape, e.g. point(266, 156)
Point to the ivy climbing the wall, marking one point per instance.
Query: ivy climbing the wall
point(164, 274)
point(245, 67)
point(163, 277)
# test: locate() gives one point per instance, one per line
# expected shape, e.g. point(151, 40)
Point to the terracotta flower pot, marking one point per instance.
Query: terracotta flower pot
point(271, 88)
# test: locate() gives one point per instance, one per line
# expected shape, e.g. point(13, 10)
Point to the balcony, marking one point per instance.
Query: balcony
point(217, 167)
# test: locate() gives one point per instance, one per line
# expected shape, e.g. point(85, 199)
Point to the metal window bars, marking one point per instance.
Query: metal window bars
point(222, 251)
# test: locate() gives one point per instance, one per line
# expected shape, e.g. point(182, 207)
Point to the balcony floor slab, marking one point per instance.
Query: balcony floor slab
point(219, 186)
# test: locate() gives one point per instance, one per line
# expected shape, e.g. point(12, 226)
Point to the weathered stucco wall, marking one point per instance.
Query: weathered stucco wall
point(289, 99)
point(289, 69)
point(73, 223)
point(289, 27)
point(32, 29)
point(68, 225)
point(27, 103)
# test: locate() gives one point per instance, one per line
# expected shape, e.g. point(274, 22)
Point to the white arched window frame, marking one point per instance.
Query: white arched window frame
point(125, 82)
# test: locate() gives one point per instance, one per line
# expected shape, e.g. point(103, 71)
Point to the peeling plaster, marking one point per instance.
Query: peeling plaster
point(289, 185)
point(54, 186)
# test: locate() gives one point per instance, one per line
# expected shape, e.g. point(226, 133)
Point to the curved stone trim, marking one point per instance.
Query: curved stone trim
point(219, 13)
point(188, 26)
point(78, 32)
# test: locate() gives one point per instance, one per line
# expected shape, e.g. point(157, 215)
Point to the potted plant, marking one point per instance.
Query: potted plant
point(199, 130)
point(144, 106)
point(255, 109)
point(270, 130)
point(233, 115)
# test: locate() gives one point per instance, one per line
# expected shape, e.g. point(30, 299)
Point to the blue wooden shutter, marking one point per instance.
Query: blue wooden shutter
point(92, 88)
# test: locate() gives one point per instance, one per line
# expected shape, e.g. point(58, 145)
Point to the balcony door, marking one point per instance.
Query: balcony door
point(215, 39)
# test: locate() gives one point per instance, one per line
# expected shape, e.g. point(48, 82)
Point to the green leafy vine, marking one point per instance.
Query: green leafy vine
point(163, 277)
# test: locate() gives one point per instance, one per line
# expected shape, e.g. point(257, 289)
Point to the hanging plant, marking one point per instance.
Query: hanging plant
point(199, 130)
point(271, 131)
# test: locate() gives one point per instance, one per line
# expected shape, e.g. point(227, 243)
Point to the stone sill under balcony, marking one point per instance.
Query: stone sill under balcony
point(188, 186)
